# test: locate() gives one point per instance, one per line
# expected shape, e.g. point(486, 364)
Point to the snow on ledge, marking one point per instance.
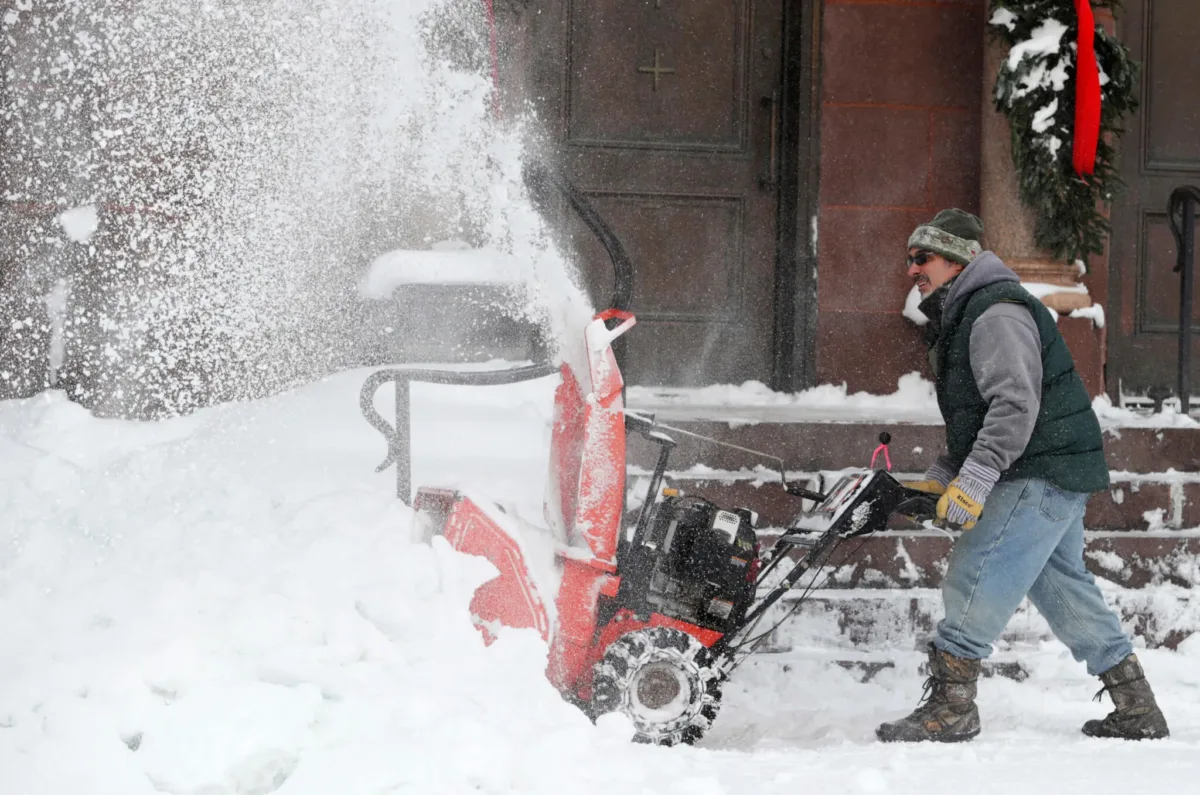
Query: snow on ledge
point(914, 401)
point(1038, 290)
point(449, 262)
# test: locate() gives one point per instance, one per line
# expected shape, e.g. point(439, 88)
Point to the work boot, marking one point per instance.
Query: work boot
point(946, 712)
point(1137, 716)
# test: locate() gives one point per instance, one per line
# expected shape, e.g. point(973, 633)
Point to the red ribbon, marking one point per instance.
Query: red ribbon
point(1087, 92)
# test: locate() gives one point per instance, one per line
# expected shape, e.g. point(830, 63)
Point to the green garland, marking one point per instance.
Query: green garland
point(1068, 222)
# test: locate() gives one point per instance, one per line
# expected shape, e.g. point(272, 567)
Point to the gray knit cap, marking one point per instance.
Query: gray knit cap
point(953, 233)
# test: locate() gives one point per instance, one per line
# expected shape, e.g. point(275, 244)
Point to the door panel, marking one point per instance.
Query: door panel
point(1159, 152)
point(668, 121)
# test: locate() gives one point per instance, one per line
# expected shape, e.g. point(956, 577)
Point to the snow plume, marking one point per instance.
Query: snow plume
point(246, 161)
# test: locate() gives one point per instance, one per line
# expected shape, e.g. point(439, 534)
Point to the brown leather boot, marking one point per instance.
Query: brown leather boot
point(947, 711)
point(1137, 716)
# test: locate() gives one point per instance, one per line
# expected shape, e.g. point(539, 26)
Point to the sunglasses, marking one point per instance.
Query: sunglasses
point(920, 258)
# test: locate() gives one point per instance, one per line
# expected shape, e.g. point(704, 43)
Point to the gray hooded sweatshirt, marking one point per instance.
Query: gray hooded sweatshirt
point(1006, 360)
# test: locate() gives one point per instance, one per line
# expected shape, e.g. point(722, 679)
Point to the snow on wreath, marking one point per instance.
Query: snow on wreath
point(1065, 86)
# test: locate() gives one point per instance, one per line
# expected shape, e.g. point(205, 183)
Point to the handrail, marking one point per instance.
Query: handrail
point(399, 436)
point(1183, 203)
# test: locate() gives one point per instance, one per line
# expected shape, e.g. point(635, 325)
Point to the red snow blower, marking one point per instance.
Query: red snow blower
point(650, 616)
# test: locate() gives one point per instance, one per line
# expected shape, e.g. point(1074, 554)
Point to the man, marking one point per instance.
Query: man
point(1024, 451)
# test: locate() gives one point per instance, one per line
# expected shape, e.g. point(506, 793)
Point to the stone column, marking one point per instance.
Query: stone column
point(1008, 223)
point(1008, 230)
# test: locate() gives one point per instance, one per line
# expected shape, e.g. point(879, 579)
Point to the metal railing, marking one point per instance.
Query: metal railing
point(399, 436)
point(1181, 215)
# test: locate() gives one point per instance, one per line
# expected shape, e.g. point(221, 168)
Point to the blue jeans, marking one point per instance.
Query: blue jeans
point(1028, 542)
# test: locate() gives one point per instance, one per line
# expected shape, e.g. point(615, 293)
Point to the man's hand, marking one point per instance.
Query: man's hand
point(935, 479)
point(963, 501)
point(935, 487)
point(958, 507)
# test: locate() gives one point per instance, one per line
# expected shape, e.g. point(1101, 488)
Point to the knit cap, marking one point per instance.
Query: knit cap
point(953, 233)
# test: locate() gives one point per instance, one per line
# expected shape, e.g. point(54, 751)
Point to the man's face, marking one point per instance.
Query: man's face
point(930, 271)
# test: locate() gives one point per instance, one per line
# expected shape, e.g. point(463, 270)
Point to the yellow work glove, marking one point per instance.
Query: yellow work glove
point(963, 501)
point(934, 480)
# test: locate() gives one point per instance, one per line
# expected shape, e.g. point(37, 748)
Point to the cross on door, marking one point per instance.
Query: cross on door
point(658, 69)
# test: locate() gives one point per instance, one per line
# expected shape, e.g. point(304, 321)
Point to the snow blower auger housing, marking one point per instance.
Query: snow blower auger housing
point(651, 619)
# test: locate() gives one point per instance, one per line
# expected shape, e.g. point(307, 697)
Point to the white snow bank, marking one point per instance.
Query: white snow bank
point(231, 604)
point(1039, 290)
point(913, 401)
point(1116, 417)
point(235, 595)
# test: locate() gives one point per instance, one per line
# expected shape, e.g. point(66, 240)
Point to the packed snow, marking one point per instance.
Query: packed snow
point(233, 602)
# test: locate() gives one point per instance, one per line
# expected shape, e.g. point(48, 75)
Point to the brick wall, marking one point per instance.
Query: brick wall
point(900, 114)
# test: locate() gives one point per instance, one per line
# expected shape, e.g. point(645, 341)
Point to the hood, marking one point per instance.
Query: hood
point(982, 271)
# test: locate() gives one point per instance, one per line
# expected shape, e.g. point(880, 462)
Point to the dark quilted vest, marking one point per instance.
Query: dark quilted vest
point(1066, 448)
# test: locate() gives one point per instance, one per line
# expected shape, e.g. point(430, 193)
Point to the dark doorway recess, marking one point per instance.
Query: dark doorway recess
point(690, 126)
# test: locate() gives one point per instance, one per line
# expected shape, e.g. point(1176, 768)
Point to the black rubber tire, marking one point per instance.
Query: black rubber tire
point(674, 662)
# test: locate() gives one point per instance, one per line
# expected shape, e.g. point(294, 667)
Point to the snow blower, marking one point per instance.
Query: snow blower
point(648, 616)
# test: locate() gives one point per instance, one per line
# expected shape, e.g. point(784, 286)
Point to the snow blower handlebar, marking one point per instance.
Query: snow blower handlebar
point(646, 424)
point(859, 504)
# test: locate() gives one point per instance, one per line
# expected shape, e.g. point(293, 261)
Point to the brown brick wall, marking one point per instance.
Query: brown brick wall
point(900, 103)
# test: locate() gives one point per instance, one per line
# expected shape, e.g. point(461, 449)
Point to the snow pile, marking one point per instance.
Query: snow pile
point(1039, 290)
point(230, 604)
point(1117, 417)
point(913, 401)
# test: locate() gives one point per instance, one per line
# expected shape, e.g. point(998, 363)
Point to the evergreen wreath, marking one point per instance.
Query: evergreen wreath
point(1035, 89)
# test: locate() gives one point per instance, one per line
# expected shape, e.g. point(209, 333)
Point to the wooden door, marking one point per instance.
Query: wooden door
point(1159, 152)
point(667, 117)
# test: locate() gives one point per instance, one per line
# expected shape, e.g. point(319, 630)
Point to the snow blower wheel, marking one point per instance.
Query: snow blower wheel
point(660, 678)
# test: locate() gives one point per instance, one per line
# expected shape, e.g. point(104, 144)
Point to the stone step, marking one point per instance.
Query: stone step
point(865, 665)
point(898, 559)
point(1170, 501)
point(819, 446)
point(844, 622)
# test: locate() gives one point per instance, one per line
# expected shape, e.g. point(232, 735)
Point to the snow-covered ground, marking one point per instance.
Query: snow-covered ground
point(231, 602)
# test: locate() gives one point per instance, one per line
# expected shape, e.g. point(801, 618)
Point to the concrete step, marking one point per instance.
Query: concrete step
point(865, 620)
point(865, 665)
point(1155, 471)
point(1134, 502)
point(917, 559)
point(817, 446)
